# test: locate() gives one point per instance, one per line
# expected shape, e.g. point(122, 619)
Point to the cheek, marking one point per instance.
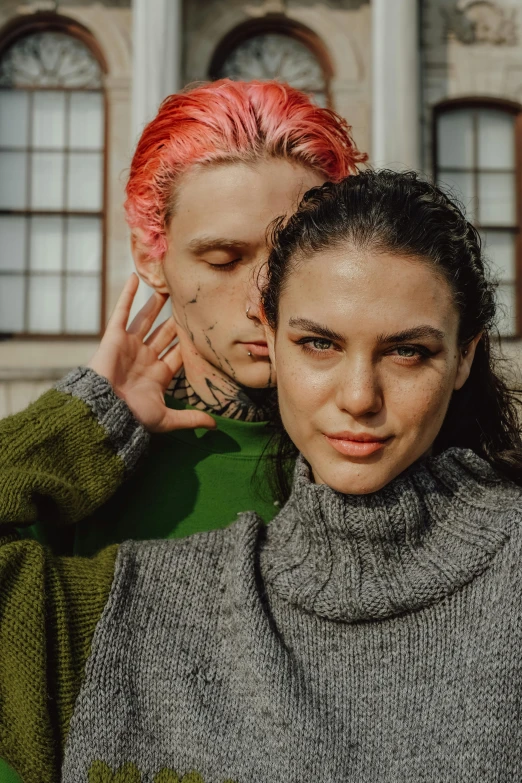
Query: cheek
point(424, 406)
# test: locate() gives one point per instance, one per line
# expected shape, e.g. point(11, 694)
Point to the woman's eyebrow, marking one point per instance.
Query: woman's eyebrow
point(416, 333)
point(207, 244)
point(310, 326)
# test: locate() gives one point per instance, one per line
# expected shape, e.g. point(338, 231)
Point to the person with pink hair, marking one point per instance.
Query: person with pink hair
point(217, 164)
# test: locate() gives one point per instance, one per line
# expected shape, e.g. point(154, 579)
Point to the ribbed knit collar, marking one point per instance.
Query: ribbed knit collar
point(356, 557)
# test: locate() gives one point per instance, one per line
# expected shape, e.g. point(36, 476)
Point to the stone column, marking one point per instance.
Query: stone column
point(396, 119)
point(156, 68)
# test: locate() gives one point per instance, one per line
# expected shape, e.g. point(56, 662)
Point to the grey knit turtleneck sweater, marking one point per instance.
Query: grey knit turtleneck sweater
point(372, 639)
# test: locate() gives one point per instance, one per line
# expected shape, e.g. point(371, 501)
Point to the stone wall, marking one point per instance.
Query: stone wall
point(344, 27)
point(469, 49)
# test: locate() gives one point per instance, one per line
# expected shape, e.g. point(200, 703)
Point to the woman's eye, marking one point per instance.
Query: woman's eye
point(315, 344)
point(412, 352)
point(407, 351)
point(321, 345)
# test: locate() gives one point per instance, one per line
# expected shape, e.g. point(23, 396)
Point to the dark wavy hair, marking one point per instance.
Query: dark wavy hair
point(401, 213)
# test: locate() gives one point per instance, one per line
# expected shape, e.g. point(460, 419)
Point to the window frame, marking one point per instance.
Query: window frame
point(281, 25)
point(515, 110)
point(9, 35)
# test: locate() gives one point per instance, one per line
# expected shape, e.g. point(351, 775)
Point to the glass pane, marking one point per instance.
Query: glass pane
point(49, 58)
point(459, 185)
point(47, 180)
point(49, 119)
point(13, 180)
point(83, 305)
point(84, 244)
point(499, 247)
point(11, 303)
point(85, 181)
point(45, 297)
point(86, 120)
point(497, 199)
point(455, 139)
point(506, 313)
point(14, 112)
point(12, 243)
point(46, 244)
point(496, 142)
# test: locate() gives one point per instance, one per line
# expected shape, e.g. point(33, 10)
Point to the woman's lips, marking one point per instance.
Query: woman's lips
point(356, 445)
point(257, 349)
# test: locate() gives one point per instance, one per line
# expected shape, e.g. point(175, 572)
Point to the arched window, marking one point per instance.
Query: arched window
point(476, 155)
point(52, 183)
point(275, 49)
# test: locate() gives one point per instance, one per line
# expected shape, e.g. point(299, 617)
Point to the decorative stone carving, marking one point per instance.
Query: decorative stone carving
point(481, 22)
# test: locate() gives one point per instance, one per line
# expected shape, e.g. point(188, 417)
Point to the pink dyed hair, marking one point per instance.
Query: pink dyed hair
point(228, 121)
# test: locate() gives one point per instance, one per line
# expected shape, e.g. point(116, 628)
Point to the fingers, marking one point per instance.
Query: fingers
point(184, 420)
point(120, 314)
point(162, 335)
point(173, 359)
point(147, 315)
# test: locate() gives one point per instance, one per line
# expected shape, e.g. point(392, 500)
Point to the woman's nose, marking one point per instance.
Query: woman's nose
point(359, 391)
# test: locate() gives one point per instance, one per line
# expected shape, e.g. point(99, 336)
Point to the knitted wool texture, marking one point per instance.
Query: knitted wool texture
point(59, 459)
point(374, 638)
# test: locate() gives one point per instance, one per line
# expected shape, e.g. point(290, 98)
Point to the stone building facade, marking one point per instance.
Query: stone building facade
point(404, 73)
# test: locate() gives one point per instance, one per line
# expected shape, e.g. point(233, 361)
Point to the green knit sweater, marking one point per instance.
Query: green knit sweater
point(59, 460)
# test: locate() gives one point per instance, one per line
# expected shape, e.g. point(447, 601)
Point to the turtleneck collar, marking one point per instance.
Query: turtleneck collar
point(356, 557)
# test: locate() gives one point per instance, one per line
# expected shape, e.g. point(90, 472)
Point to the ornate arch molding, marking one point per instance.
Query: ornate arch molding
point(278, 24)
point(22, 26)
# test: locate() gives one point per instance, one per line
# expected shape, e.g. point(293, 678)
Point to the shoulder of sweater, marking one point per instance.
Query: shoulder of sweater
point(197, 560)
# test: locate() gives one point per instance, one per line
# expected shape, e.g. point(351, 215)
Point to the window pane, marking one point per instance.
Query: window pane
point(84, 244)
point(49, 119)
point(85, 181)
point(83, 305)
point(506, 314)
point(499, 247)
point(46, 244)
point(11, 303)
point(497, 199)
point(13, 175)
point(455, 139)
point(14, 112)
point(496, 143)
point(47, 180)
point(45, 299)
point(86, 120)
point(460, 186)
point(12, 243)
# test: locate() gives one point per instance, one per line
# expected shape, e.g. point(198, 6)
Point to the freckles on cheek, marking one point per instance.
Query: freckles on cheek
point(429, 402)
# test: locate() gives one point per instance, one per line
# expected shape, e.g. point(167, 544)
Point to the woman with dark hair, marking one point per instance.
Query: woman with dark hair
point(372, 632)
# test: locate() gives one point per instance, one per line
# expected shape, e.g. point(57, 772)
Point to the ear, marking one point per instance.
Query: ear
point(149, 269)
point(467, 354)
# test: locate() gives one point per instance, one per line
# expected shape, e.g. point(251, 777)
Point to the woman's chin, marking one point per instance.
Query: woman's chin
point(355, 479)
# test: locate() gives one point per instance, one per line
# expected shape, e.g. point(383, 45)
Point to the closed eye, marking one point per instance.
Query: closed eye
point(225, 267)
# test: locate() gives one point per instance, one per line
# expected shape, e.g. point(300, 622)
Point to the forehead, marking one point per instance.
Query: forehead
point(369, 292)
point(237, 201)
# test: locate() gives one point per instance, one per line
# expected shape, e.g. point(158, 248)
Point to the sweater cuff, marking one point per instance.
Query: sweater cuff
point(127, 435)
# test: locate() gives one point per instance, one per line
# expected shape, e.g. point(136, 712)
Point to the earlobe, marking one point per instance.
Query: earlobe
point(149, 269)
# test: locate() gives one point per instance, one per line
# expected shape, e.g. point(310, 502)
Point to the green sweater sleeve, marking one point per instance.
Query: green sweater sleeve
point(59, 459)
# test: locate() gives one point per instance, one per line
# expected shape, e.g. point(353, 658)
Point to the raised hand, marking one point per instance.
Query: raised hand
point(135, 366)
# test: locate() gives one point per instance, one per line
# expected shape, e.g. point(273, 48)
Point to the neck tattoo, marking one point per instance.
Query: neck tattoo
point(229, 399)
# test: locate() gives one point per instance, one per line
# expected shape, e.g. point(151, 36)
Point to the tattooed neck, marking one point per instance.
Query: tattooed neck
point(229, 399)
